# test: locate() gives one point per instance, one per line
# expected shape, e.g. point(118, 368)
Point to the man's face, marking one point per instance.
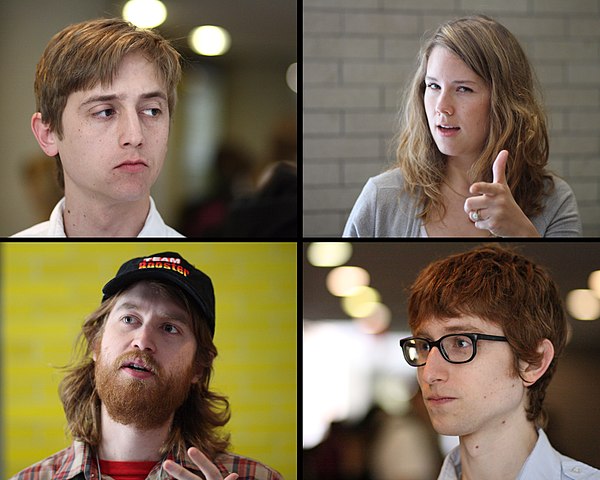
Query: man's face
point(115, 137)
point(484, 394)
point(145, 362)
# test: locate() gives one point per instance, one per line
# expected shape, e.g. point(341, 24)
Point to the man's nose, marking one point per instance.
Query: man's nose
point(436, 368)
point(131, 132)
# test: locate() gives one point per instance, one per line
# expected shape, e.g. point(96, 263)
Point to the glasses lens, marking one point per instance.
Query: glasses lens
point(458, 348)
point(416, 351)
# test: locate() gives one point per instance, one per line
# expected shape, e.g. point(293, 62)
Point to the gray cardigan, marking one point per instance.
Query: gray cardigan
point(385, 209)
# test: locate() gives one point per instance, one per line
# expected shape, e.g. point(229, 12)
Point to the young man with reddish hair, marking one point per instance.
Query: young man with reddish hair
point(488, 328)
point(105, 92)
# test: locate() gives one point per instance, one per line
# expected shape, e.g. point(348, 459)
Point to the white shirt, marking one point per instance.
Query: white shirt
point(543, 463)
point(153, 227)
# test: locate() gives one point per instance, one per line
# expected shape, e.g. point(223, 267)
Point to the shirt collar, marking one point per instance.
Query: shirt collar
point(542, 462)
point(154, 226)
point(83, 460)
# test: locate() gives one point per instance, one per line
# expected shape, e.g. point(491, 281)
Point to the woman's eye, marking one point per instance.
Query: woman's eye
point(128, 319)
point(464, 89)
point(433, 86)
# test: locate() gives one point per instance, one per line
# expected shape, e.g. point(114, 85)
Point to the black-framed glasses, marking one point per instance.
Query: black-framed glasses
point(455, 347)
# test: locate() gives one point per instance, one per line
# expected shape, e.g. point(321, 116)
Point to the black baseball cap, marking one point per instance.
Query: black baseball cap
point(169, 267)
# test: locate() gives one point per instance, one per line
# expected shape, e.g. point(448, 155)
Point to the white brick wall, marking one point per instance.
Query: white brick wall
point(359, 54)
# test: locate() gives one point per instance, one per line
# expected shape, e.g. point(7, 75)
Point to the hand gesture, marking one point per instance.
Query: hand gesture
point(210, 471)
point(493, 207)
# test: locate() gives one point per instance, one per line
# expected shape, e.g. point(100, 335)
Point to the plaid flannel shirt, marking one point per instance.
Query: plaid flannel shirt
point(78, 462)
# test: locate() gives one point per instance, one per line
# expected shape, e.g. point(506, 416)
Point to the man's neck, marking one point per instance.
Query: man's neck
point(124, 443)
point(498, 453)
point(94, 218)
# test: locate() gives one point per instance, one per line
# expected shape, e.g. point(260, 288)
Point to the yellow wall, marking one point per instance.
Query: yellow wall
point(48, 289)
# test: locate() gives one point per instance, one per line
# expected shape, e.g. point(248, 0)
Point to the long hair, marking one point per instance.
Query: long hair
point(502, 287)
point(517, 118)
point(197, 422)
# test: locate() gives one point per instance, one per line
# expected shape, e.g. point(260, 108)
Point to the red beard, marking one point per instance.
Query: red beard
point(142, 403)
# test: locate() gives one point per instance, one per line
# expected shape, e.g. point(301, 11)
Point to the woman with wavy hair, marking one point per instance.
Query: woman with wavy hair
point(472, 147)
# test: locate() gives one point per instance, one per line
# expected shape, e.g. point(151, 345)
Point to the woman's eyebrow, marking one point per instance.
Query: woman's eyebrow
point(433, 79)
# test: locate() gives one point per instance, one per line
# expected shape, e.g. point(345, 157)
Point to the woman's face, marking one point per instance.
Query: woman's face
point(457, 104)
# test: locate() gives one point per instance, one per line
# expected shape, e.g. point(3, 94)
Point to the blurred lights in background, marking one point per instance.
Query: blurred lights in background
point(292, 77)
point(342, 280)
point(145, 13)
point(328, 254)
point(210, 40)
point(359, 300)
point(207, 40)
point(584, 304)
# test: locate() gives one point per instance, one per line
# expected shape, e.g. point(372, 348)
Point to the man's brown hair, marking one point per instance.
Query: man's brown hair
point(505, 288)
point(90, 53)
point(196, 423)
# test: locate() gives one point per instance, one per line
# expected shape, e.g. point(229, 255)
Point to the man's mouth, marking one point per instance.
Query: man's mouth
point(138, 368)
point(132, 166)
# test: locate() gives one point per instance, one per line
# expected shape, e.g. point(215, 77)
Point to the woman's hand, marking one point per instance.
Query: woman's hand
point(494, 208)
point(204, 464)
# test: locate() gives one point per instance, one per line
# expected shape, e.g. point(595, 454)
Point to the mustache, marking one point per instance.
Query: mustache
point(142, 357)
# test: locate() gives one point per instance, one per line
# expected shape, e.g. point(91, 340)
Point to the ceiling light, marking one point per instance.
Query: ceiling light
point(209, 40)
point(594, 282)
point(292, 77)
point(582, 304)
point(361, 303)
point(145, 13)
point(377, 322)
point(328, 254)
point(342, 280)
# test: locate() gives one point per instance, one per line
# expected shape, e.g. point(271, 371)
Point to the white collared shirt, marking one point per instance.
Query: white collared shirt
point(153, 227)
point(543, 463)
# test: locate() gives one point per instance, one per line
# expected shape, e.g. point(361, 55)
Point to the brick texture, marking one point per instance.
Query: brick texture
point(359, 54)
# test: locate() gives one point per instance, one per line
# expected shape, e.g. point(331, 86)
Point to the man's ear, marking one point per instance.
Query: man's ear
point(45, 137)
point(531, 373)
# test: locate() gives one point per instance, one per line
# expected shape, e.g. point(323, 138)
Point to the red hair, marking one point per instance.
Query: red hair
point(502, 287)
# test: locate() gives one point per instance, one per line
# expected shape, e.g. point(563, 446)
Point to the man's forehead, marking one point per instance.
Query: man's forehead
point(134, 78)
point(438, 327)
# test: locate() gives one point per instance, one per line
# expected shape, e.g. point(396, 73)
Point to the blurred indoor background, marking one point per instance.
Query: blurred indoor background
point(363, 417)
point(235, 118)
point(49, 288)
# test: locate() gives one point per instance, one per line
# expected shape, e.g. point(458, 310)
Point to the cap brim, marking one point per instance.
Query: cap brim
point(122, 281)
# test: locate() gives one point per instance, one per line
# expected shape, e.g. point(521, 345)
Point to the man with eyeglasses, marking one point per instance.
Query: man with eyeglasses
point(488, 328)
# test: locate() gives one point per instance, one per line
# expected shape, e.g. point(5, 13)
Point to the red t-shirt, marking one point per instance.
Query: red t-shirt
point(126, 470)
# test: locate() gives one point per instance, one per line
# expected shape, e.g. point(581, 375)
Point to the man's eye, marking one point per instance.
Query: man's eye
point(171, 328)
point(106, 113)
point(152, 112)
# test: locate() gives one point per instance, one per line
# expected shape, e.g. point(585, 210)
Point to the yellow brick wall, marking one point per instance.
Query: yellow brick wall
point(48, 288)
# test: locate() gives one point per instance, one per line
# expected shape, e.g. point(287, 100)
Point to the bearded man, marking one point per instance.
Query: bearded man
point(138, 404)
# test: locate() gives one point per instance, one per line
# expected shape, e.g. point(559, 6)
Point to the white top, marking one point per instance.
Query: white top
point(153, 227)
point(543, 463)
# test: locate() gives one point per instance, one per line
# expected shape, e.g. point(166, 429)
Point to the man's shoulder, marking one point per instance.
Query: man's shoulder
point(48, 468)
point(39, 230)
point(575, 470)
point(246, 468)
